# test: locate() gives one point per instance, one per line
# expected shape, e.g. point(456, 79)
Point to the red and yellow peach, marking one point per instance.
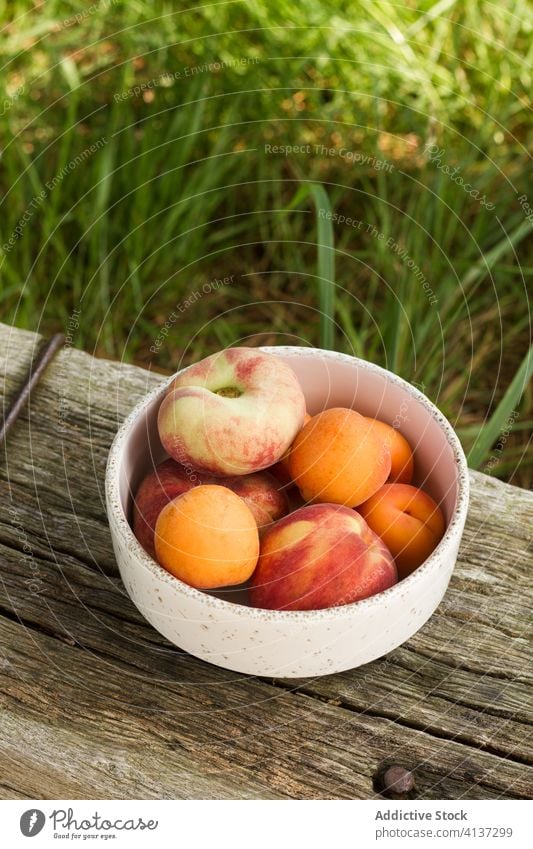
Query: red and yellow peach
point(324, 555)
point(233, 413)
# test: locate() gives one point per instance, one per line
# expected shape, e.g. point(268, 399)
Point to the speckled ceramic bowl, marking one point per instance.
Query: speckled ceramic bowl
point(220, 627)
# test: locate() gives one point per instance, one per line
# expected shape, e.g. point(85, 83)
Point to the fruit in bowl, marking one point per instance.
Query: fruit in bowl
point(261, 492)
point(208, 538)
point(402, 460)
point(408, 521)
point(233, 413)
point(320, 556)
point(350, 532)
point(281, 469)
point(222, 627)
point(339, 457)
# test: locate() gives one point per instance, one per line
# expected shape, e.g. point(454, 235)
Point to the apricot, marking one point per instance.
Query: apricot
point(281, 468)
point(324, 555)
point(402, 462)
point(261, 491)
point(207, 538)
point(409, 522)
point(338, 457)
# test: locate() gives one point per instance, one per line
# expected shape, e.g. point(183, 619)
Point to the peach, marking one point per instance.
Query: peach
point(320, 556)
point(207, 538)
point(408, 521)
point(402, 462)
point(261, 492)
point(340, 458)
point(263, 495)
point(233, 413)
point(165, 483)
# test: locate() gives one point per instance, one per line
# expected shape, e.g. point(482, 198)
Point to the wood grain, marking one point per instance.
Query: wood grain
point(96, 704)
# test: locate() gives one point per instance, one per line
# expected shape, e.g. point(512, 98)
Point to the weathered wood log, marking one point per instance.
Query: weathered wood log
point(96, 704)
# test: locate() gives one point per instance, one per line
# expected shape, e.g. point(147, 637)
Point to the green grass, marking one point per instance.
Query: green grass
point(159, 191)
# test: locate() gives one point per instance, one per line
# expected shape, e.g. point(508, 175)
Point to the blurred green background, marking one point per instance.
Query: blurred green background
point(144, 156)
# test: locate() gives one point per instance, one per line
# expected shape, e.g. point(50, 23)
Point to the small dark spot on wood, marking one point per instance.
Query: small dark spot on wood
point(395, 782)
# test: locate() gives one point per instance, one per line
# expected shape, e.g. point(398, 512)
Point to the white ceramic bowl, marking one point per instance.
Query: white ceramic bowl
point(220, 627)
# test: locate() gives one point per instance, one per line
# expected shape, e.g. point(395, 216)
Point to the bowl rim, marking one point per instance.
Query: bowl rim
point(455, 526)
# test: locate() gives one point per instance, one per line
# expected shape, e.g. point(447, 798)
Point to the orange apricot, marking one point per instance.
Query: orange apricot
point(338, 457)
point(402, 462)
point(409, 522)
point(262, 492)
point(281, 468)
point(207, 538)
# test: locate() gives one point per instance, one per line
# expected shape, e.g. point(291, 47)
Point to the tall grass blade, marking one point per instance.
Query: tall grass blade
point(499, 420)
point(325, 265)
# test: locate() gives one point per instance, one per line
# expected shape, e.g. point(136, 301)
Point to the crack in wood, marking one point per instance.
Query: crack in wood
point(416, 726)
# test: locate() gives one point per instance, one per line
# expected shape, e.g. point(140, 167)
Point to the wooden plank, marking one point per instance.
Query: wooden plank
point(454, 699)
point(77, 724)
